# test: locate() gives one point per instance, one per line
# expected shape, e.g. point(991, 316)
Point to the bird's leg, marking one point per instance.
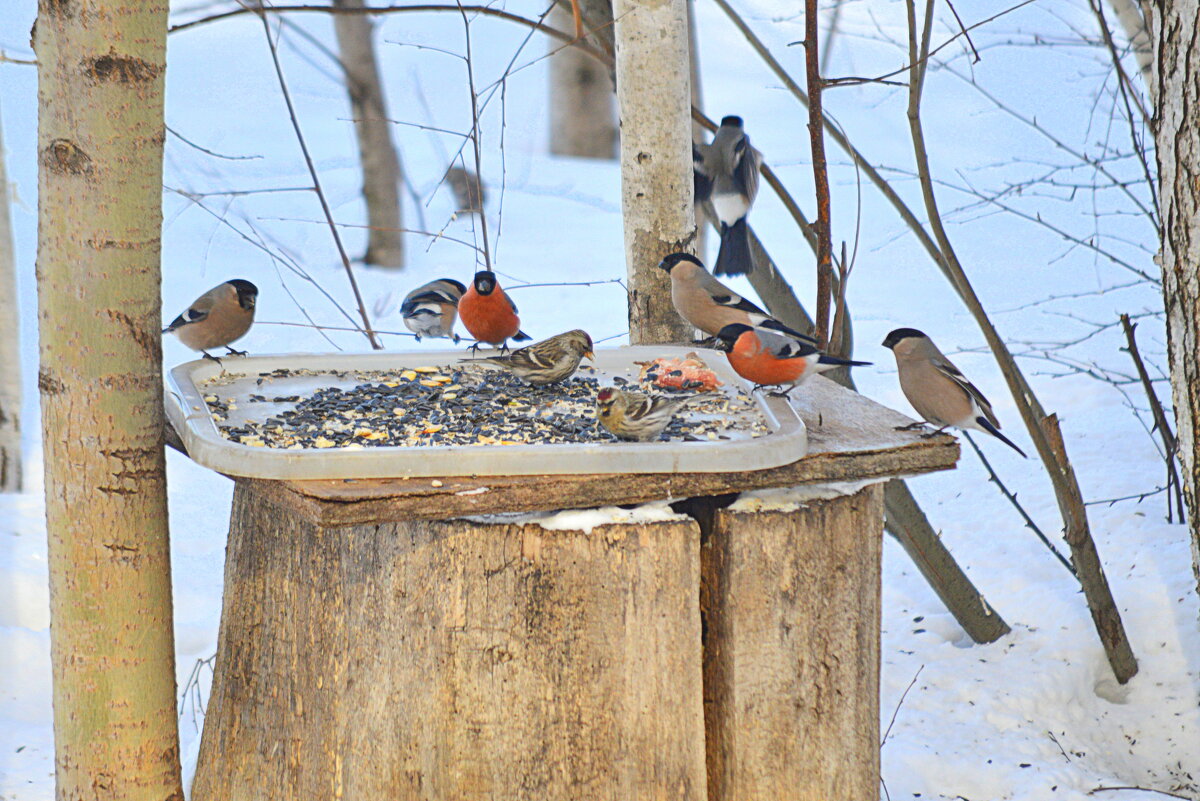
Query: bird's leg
point(233, 352)
point(474, 349)
point(911, 426)
point(782, 393)
point(504, 347)
point(708, 342)
point(208, 355)
point(934, 433)
point(418, 336)
point(456, 338)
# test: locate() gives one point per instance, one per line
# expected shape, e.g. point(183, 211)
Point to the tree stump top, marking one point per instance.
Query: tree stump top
point(851, 438)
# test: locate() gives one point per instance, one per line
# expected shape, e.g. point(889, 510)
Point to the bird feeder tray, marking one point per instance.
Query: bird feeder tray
point(762, 433)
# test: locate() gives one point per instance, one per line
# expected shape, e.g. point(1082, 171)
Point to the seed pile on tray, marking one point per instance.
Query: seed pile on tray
point(457, 405)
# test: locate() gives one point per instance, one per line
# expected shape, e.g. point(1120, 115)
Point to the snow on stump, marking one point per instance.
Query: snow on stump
point(380, 640)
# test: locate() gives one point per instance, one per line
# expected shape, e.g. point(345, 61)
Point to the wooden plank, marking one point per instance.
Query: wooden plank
point(851, 438)
point(791, 602)
point(436, 660)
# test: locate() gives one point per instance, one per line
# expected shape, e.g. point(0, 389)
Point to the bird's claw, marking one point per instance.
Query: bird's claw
point(209, 356)
point(233, 352)
point(910, 427)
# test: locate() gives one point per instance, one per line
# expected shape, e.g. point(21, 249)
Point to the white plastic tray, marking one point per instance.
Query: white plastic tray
point(786, 442)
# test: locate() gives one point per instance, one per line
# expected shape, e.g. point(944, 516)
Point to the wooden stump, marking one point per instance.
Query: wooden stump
point(454, 660)
point(790, 604)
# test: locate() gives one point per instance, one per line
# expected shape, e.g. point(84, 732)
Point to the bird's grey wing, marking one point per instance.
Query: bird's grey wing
point(511, 305)
point(198, 311)
point(723, 295)
point(783, 346)
point(772, 324)
point(413, 303)
point(746, 161)
point(947, 368)
point(640, 408)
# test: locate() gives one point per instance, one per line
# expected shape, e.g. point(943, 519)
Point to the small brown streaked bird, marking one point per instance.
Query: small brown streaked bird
point(216, 319)
point(709, 305)
point(431, 309)
point(938, 390)
point(546, 362)
point(726, 173)
point(638, 417)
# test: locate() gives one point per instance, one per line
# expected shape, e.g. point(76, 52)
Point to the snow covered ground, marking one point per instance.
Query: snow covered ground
point(1034, 716)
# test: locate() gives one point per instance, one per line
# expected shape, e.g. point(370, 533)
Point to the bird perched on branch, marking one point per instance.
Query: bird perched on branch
point(709, 305)
point(726, 173)
point(938, 390)
point(770, 358)
point(216, 319)
point(634, 416)
point(488, 314)
point(546, 362)
point(430, 310)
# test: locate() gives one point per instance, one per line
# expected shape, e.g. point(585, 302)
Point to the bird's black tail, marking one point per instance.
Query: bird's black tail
point(521, 336)
point(995, 432)
point(834, 361)
point(734, 256)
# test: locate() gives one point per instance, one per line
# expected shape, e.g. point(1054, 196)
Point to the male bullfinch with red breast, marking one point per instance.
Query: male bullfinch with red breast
point(709, 305)
point(431, 309)
point(726, 172)
point(219, 317)
point(937, 389)
point(488, 314)
point(769, 358)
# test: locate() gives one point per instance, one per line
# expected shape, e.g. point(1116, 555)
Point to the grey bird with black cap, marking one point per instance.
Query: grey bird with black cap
point(937, 389)
point(726, 173)
point(216, 319)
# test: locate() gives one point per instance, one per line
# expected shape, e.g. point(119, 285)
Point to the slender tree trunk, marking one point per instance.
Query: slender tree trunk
point(654, 96)
point(100, 139)
point(1177, 112)
point(10, 352)
point(380, 164)
point(699, 132)
point(583, 117)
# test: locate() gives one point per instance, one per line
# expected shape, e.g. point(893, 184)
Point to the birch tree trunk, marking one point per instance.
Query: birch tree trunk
point(10, 352)
point(100, 140)
point(1129, 14)
point(654, 98)
point(583, 119)
point(1177, 111)
point(377, 152)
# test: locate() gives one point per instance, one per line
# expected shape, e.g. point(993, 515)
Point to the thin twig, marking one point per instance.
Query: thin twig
point(312, 170)
point(1140, 789)
point(202, 149)
point(816, 138)
point(487, 253)
point(899, 704)
point(1012, 498)
point(1170, 443)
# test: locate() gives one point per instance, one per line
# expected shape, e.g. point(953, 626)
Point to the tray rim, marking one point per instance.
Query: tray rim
point(786, 443)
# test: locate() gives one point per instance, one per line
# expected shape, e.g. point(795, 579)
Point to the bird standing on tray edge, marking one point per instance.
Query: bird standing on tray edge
point(938, 390)
point(769, 358)
point(216, 319)
point(431, 309)
point(488, 314)
point(709, 305)
point(726, 173)
point(546, 362)
point(638, 417)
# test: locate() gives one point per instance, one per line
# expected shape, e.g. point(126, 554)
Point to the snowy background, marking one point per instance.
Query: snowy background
point(1033, 716)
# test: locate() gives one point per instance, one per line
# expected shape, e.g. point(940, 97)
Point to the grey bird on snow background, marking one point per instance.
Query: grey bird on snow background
point(726, 173)
point(937, 389)
point(219, 317)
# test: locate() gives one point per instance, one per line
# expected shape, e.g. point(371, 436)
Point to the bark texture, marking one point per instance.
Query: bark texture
point(454, 660)
point(377, 152)
point(790, 603)
point(10, 352)
point(1177, 112)
point(100, 138)
point(583, 114)
point(654, 97)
